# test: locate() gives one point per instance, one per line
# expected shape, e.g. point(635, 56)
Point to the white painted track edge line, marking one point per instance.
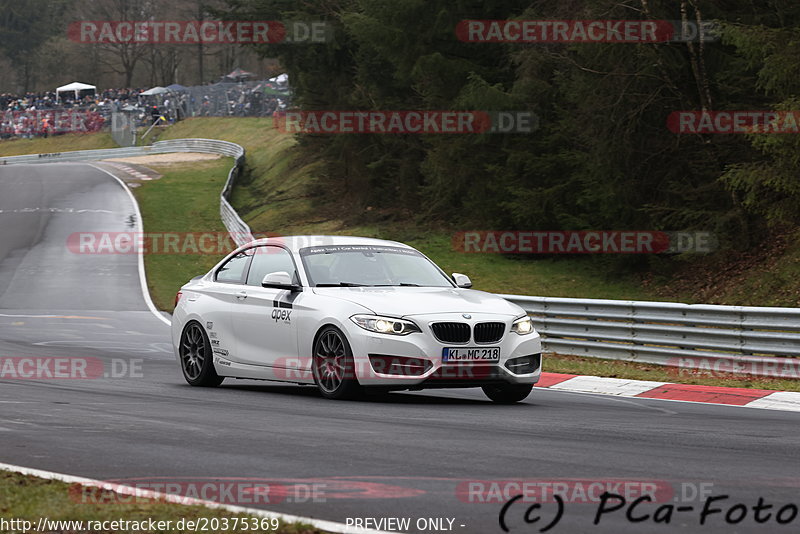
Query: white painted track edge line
point(330, 526)
point(140, 225)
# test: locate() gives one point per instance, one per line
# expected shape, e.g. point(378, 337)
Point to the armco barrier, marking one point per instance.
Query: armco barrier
point(238, 229)
point(726, 339)
point(735, 339)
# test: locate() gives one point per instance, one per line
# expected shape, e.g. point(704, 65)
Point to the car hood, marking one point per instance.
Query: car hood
point(409, 301)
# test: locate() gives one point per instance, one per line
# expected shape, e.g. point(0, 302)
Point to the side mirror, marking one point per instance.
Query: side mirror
point(462, 280)
point(279, 280)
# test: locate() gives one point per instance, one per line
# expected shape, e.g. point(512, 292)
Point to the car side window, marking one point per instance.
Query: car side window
point(270, 259)
point(233, 271)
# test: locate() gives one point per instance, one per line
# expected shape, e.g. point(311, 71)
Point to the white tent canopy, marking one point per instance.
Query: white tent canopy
point(158, 90)
point(75, 87)
point(281, 79)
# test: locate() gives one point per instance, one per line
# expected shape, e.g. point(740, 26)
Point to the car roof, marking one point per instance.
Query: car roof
point(297, 242)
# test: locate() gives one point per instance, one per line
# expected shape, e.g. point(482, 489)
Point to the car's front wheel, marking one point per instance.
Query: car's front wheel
point(333, 366)
point(507, 393)
point(197, 357)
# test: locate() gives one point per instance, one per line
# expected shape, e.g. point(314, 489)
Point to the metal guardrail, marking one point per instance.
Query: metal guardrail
point(725, 339)
point(240, 232)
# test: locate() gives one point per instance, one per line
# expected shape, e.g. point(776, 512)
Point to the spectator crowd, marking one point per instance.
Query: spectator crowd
point(46, 113)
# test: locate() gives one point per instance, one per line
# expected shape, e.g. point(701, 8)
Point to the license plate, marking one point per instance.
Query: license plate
point(471, 354)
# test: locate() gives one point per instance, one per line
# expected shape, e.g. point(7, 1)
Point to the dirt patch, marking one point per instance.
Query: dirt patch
point(167, 159)
point(712, 280)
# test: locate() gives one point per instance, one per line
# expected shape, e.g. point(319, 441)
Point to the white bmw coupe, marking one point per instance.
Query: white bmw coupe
point(350, 314)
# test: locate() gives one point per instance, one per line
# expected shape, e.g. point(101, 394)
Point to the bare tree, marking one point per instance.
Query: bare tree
point(119, 57)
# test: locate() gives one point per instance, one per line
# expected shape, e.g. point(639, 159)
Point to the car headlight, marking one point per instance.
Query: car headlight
point(522, 326)
point(385, 325)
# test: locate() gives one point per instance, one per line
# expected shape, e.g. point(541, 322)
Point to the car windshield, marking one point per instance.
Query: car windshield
point(370, 265)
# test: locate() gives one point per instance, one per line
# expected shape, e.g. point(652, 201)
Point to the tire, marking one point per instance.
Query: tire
point(507, 393)
point(333, 366)
point(197, 358)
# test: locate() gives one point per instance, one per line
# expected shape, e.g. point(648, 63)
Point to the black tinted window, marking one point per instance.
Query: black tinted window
point(270, 260)
point(234, 269)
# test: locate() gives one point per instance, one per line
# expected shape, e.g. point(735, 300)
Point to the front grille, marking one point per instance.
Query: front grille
point(524, 364)
point(489, 332)
point(451, 332)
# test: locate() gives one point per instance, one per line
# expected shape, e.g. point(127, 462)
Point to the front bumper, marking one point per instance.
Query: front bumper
point(414, 361)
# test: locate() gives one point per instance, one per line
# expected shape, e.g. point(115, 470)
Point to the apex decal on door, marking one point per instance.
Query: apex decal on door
point(282, 315)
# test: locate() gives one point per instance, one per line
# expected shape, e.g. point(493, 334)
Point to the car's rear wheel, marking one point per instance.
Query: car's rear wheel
point(333, 366)
point(507, 393)
point(197, 360)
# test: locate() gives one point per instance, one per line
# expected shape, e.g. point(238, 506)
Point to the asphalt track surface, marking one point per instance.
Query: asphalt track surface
point(397, 455)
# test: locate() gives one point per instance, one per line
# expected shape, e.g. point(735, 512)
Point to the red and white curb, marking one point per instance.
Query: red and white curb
point(129, 170)
point(620, 387)
point(321, 524)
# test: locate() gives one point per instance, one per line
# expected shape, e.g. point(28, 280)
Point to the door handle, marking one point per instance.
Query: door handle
point(241, 295)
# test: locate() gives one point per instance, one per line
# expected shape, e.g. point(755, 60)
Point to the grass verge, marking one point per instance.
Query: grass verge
point(184, 200)
point(766, 275)
point(58, 143)
point(275, 196)
point(29, 498)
